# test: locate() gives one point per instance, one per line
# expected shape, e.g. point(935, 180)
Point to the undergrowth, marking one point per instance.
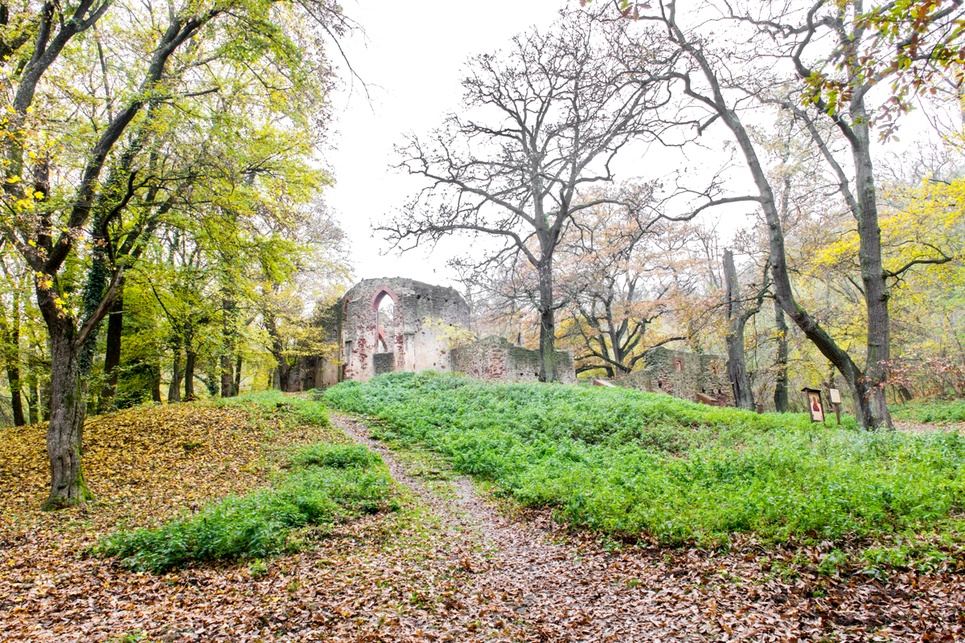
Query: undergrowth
point(300, 409)
point(930, 411)
point(324, 484)
point(635, 464)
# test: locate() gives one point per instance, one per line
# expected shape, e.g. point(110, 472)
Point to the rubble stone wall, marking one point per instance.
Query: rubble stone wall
point(373, 342)
point(496, 358)
point(681, 374)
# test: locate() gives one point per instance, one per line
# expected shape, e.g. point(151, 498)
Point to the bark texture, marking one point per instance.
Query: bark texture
point(112, 356)
point(740, 381)
point(67, 413)
point(780, 383)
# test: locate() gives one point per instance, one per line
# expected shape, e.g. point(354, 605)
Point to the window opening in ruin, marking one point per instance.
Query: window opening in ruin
point(385, 322)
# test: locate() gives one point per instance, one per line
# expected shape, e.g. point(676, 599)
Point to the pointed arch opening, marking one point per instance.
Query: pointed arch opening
point(385, 304)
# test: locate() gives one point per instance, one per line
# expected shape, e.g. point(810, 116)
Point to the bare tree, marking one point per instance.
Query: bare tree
point(818, 37)
point(544, 121)
point(618, 277)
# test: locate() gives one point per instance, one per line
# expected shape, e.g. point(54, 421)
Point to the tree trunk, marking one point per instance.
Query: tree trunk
point(284, 375)
point(65, 431)
point(227, 377)
point(229, 339)
point(873, 405)
point(780, 385)
point(190, 359)
point(547, 325)
point(277, 350)
point(11, 358)
point(33, 397)
point(156, 383)
point(46, 393)
point(112, 355)
point(238, 363)
point(174, 389)
point(736, 321)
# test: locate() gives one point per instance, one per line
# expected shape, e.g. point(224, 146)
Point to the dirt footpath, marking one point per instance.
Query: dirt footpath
point(529, 580)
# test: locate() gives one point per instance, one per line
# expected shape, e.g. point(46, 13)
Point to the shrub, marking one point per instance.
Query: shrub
point(930, 411)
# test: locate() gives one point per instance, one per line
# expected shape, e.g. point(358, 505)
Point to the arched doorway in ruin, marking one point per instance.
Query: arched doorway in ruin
point(385, 304)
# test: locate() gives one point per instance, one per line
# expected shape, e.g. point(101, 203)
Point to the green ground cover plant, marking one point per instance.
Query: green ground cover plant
point(930, 411)
point(323, 484)
point(299, 409)
point(635, 464)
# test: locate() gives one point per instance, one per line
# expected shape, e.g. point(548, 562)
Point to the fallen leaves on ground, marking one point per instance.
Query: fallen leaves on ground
point(451, 566)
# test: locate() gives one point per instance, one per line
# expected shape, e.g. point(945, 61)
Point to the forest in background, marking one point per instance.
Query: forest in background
point(164, 236)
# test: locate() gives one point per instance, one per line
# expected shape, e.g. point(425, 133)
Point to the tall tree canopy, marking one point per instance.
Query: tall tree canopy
point(541, 121)
point(801, 40)
point(124, 118)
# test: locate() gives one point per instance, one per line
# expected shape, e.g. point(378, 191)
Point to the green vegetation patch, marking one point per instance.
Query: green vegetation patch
point(325, 484)
point(304, 410)
point(636, 464)
point(930, 411)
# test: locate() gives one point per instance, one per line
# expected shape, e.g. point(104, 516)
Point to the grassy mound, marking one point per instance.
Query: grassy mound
point(637, 464)
point(261, 523)
point(325, 483)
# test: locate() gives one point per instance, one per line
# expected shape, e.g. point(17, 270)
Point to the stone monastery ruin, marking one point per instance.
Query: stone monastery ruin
point(398, 324)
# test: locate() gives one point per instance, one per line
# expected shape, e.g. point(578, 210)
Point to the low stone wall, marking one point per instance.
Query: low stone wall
point(496, 358)
point(681, 374)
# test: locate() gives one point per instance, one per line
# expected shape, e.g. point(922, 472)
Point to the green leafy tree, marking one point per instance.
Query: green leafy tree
point(76, 157)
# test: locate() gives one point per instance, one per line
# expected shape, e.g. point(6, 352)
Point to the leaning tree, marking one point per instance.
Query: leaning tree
point(808, 46)
point(540, 122)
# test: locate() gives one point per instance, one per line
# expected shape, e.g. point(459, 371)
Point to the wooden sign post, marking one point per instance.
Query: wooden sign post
point(815, 405)
point(835, 396)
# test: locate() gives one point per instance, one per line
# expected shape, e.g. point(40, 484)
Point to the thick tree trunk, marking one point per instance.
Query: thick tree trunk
point(547, 325)
point(736, 320)
point(112, 355)
point(227, 377)
point(190, 359)
point(873, 405)
point(284, 375)
point(780, 385)
point(65, 431)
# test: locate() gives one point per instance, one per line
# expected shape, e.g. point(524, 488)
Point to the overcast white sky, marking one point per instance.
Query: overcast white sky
point(412, 58)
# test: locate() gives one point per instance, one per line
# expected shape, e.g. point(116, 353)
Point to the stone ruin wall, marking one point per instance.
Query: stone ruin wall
point(408, 344)
point(496, 358)
point(370, 345)
point(682, 374)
